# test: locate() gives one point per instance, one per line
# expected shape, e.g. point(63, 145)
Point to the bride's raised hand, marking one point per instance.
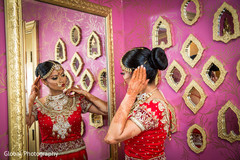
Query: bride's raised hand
point(72, 91)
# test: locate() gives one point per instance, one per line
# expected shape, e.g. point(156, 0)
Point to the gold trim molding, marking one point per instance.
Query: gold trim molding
point(205, 70)
point(161, 22)
point(184, 14)
point(186, 49)
point(186, 96)
point(216, 26)
point(15, 68)
point(238, 70)
point(221, 124)
point(168, 76)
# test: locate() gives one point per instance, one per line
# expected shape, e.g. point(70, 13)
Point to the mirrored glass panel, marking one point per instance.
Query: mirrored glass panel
point(176, 75)
point(190, 10)
point(213, 73)
point(197, 138)
point(194, 96)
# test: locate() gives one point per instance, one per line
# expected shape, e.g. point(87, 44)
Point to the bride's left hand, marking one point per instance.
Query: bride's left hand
point(72, 91)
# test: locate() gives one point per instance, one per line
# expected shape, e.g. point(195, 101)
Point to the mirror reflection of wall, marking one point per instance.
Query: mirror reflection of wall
point(176, 75)
point(194, 96)
point(213, 73)
point(197, 138)
point(231, 120)
point(162, 34)
point(192, 50)
point(226, 23)
point(190, 10)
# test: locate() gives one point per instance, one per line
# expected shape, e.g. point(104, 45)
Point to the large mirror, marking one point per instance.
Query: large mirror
point(16, 12)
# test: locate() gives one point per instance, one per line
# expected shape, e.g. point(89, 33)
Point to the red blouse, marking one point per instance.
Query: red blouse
point(153, 119)
point(61, 130)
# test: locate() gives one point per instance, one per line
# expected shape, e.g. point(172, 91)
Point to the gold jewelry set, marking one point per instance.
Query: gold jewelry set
point(55, 66)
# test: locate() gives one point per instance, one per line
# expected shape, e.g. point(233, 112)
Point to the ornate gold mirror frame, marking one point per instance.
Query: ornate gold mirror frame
point(175, 86)
point(192, 146)
point(95, 120)
point(102, 79)
point(75, 35)
point(84, 85)
point(216, 26)
point(205, 70)
point(186, 96)
point(221, 124)
point(76, 64)
point(94, 40)
point(186, 50)
point(184, 12)
point(15, 67)
point(238, 70)
point(155, 36)
point(60, 47)
point(70, 79)
point(173, 127)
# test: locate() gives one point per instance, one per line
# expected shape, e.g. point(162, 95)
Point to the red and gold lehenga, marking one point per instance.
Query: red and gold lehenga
point(153, 119)
point(60, 129)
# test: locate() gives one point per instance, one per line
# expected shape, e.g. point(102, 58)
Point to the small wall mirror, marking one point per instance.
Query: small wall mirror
point(95, 120)
point(213, 73)
point(196, 138)
point(102, 79)
point(173, 127)
point(69, 78)
point(225, 24)
point(175, 76)
point(76, 64)
point(60, 51)
point(194, 96)
point(86, 80)
point(238, 70)
point(161, 34)
point(190, 11)
point(229, 122)
point(94, 46)
point(75, 35)
point(192, 50)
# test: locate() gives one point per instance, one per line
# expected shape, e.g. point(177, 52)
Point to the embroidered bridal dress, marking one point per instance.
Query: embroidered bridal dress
point(60, 127)
point(154, 120)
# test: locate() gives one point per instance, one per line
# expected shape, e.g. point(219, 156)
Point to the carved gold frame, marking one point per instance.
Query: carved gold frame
point(168, 76)
point(173, 127)
point(160, 21)
point(98, 54)
point(79, 35)
point(189, 141)
point(206, 78)
point(82, 80)
point(57, 58)
point(188, 102)
point(15, 68)
point(238, 70)
point(70, 79)
point(94, 124)
point(76, 71)
point(221, 124)
point(193, 39)
point(183, 12)
point(225, 38)
point(104, 88)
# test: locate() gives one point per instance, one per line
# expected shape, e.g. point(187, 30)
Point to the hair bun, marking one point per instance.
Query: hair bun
point(158, 59)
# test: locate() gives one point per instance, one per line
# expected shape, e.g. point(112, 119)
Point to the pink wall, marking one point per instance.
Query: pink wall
point(3, 87)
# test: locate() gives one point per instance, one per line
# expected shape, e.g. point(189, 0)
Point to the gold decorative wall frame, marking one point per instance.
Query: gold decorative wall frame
point(221, 124)
point(75, 35)
point(184, 13)
point(102, 79)
point(15, 71)
point(188, 99)
point(186, 50)
point(70, 79)
point(60, 51)
point(94, 46)
point(190, 139)
point(206, 78)
point(161, 22)
point(83, 80)
point(238, 70)
point(169, 76)
point(95, 120)
point(82, 128)
point(226, 28)
point(76, 64)
point(173, 127)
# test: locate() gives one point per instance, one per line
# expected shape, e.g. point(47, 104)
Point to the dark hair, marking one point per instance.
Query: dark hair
point(152, 60)
point(43, 68)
